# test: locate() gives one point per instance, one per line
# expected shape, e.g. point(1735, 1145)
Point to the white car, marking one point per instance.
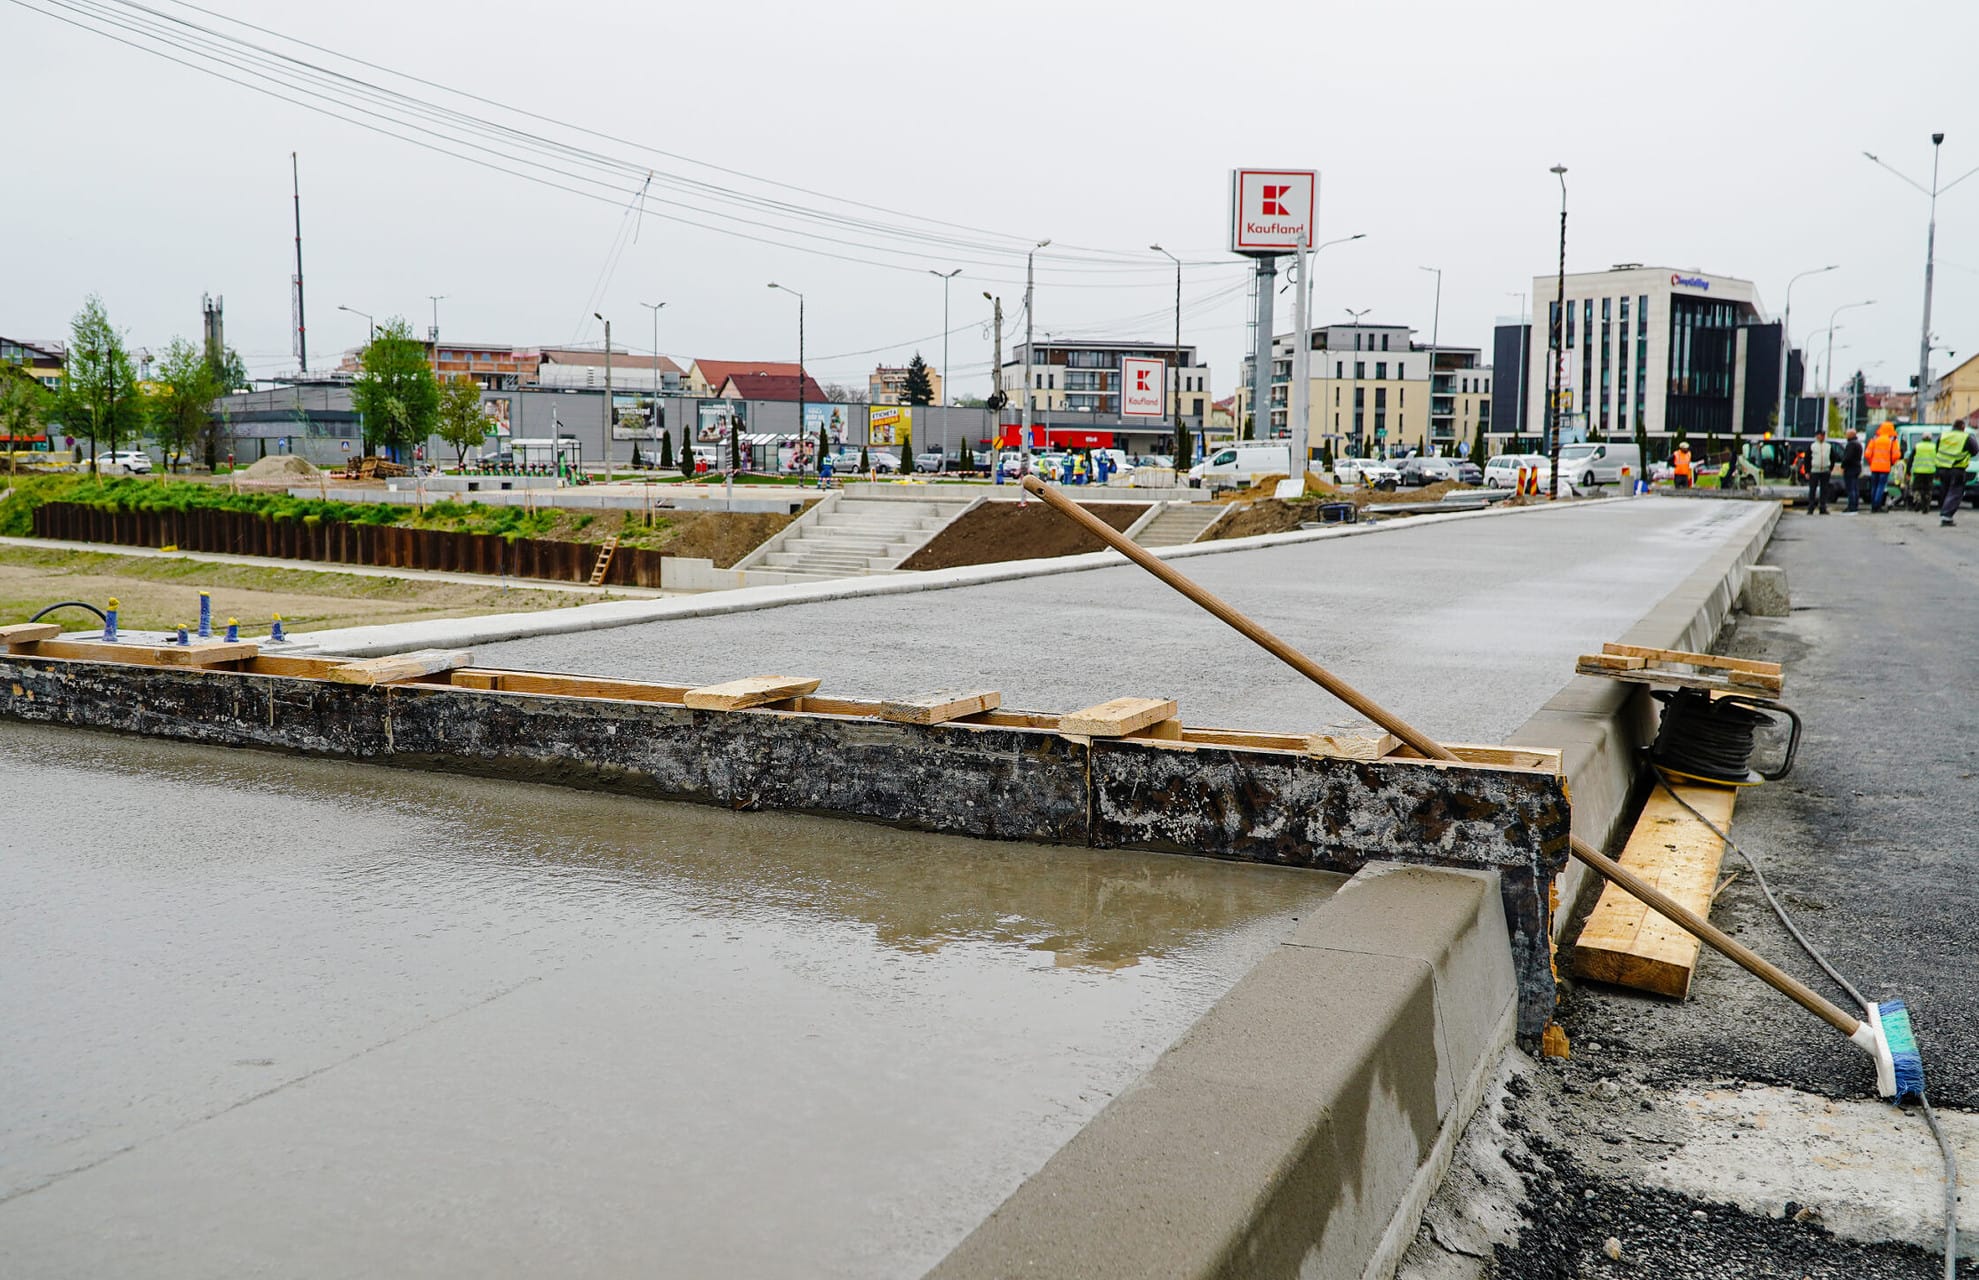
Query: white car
point(135, 461)
point(1352, 472)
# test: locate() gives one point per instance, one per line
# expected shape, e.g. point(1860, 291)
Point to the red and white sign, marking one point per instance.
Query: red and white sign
point(1143, 387)
point(1069, 439)
point(1269, 208)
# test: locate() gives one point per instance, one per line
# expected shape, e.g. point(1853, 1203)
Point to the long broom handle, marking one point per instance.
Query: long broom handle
point(1422, 744)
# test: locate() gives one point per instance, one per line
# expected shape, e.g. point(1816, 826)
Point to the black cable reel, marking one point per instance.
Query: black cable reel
point(1712, 739)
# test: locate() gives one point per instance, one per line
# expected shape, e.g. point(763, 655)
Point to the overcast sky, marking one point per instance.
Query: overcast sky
point(1724, 137)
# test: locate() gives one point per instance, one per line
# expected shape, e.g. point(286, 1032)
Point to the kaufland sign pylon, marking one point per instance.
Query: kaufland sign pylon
point(1145, 386)
point(1270, 208)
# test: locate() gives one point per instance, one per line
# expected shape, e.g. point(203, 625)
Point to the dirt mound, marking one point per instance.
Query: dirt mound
point(279, 467)
point(999, 531)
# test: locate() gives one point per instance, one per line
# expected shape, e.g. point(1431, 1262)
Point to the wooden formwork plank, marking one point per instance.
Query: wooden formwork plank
point(29, 632)
point(752, 691)
point(940, 705)
point(197, 654)
point(561, 686)
point(1117, 718)
point(400, 666)
point(1685, 656)
point(1623, 941)
point(1369, 745)
point(1747, 682)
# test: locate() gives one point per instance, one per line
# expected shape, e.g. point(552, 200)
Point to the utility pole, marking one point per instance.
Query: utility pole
point(301, 324)
point(997, 397)
point(1297, 403)
point(1354, 385)
point(1559, 343)
point(1828, 371)
point(1930, 255)
point(1435, 336)
point(653, 405)
point(609, 414)
point(1182, 458)
point(945, 278)
point(1030, 361)
point(433, 334)
point(1518, 409)
point(800, 361)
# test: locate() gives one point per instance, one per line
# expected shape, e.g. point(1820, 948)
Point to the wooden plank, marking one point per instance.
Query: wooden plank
point(266, 664)
point(29, 632)
point(1692, 659)
point(1013, 719)
point(1117, 718)
point(1542, 758)
point(752, 691)
point(1613, 661)
point(539, 682)
point(1754, 680)
point(1719, 682)
point(940, 705)
point(147, 655)
point(1169, 730)
point(465, 679)
point(1370, 744)
point(1623, 941)
point(816, 706)
point(400, 666)
point(1246, 739)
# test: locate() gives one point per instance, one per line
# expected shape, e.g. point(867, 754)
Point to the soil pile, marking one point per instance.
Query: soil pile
point(281, 467)
point(999, 531)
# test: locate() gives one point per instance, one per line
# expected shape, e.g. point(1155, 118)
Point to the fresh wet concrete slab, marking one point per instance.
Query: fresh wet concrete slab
point(268, 1015)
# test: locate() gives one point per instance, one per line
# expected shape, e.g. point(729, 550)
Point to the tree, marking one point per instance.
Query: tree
point(1480, 445)
point(666, 450)
point(1858, 395)
point(461, 421)
point(23, 409)
point(839, 393)
point(907, 456)
point(920, 388)
point(734, 445)
point(182, 405)
point(865, 460)
point(638, 463)
point(100, 397)
point(395, 391)
point(686, 453)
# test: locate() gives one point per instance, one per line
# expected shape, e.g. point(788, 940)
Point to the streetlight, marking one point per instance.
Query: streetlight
point(1435, 327)
point(1353, 406)
point(1182, 455)
point(800, 370)
point(1518, 407)
point(433, 334)
point(1786, 345)
point(1930, 254)
point(611, 415)
point(1558, 338)
point(1829, 371)
point(1307, 270)
point(653, 414)
point(366, 314)
point(1030, 358)
point(945, 277)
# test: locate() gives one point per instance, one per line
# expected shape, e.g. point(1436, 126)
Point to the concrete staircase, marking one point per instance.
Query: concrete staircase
point(1179, 522)
point(848, 536)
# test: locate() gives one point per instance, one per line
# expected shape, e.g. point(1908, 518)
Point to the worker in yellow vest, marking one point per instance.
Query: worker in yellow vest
point(1954, 453)
point(1923, 472)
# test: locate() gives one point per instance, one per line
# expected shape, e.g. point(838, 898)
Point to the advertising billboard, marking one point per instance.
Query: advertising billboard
point(1143, 387)
point(497, 413)
point(1269, 208)
point(717, 418)
point(829, 418)
point(889, 424)
point(637, 417)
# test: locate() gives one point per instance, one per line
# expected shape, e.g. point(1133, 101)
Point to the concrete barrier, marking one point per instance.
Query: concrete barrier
point(1300, 1125)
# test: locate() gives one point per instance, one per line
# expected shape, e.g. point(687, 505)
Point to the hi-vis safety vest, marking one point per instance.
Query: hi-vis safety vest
point(1682, 462)
point(1954, 450)
point(1924, 460)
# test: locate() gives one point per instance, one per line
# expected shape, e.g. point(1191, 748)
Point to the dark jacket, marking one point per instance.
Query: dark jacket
point(1852, 457)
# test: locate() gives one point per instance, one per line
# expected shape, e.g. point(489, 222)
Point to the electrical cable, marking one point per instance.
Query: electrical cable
point(1814, 954)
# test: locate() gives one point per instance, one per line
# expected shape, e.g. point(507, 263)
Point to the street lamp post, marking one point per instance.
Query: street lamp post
point(1182, 458)
point(1518, 407)
point(653, 415)
point(1828, 372)
point(1930, 254)
point(1435, 334)
point(609, 414)
point(1030, 361)
point(1786, 345)
point(1306, 273)
point(366, 314)
point(1559, 334)
point(945, 277)
point(800, 368)
point(1353, 405)
point(433, 334)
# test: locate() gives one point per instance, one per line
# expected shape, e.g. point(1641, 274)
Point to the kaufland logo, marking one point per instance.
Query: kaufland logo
point(1690, 282)
point(1143, 380)
point(1274, 202)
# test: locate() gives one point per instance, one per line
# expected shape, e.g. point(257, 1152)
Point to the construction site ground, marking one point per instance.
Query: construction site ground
point(999, 531)
point(158, 591)
point(1733, 1134)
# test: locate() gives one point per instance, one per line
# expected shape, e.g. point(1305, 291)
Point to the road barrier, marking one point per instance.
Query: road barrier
point(345, 542)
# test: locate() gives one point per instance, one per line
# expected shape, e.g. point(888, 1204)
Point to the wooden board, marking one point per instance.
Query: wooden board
point(1692, 659)
point(539, 682)
point(943, 704)
point(1117, 718)
point(148, 655)
point(1613, 661)
point(29, 632)
point(754, 691)
point(1624, 942)
point(1371, 744)
point(269, 664)
point(400, 666)
point(1716, 681)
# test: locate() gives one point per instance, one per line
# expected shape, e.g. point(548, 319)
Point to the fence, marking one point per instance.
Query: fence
point(342, 542)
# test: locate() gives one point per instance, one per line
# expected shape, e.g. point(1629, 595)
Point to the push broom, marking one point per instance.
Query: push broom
point(1883, 1032)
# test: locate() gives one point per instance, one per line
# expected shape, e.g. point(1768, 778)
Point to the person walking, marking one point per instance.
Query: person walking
point(1852, 471)
point(1820, 461)
point(1923, 472)
point(1954, 453)
point(1680, 465)
point(1880, 455)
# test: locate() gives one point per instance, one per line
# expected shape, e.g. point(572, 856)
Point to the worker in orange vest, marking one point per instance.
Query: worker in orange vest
point(1880, 455)
point(1680, 464)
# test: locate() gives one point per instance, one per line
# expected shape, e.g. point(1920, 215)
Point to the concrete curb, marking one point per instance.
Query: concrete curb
point(495, 628)
point(1301, 1124)
point(1599, 725)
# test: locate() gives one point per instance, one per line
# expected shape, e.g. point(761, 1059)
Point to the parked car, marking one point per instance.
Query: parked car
point(135, 461)
point(1502, 471)
point(1421, 471)
point(1592, 462)
point(1240, 464)
point(930, 460)
point(1469, 472)
point(1376, 474)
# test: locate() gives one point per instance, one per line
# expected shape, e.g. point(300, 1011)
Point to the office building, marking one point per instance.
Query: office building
point(1371, 392)
point(42, 361)
point(1085, 377)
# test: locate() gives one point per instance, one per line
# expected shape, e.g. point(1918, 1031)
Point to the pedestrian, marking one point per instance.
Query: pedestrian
point(1923, 472)
point(1680, 465)
point(1820, 461)
point(1852, 471)
point(1881, 454)
point(1954, 453)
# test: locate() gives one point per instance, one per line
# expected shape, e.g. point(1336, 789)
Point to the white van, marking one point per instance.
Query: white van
point(1236, 465)
point(1590, 463)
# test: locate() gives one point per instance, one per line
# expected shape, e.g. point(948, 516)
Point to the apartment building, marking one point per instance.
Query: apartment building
point(1085, 377)
point(1371, 391)
point(888, 384)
